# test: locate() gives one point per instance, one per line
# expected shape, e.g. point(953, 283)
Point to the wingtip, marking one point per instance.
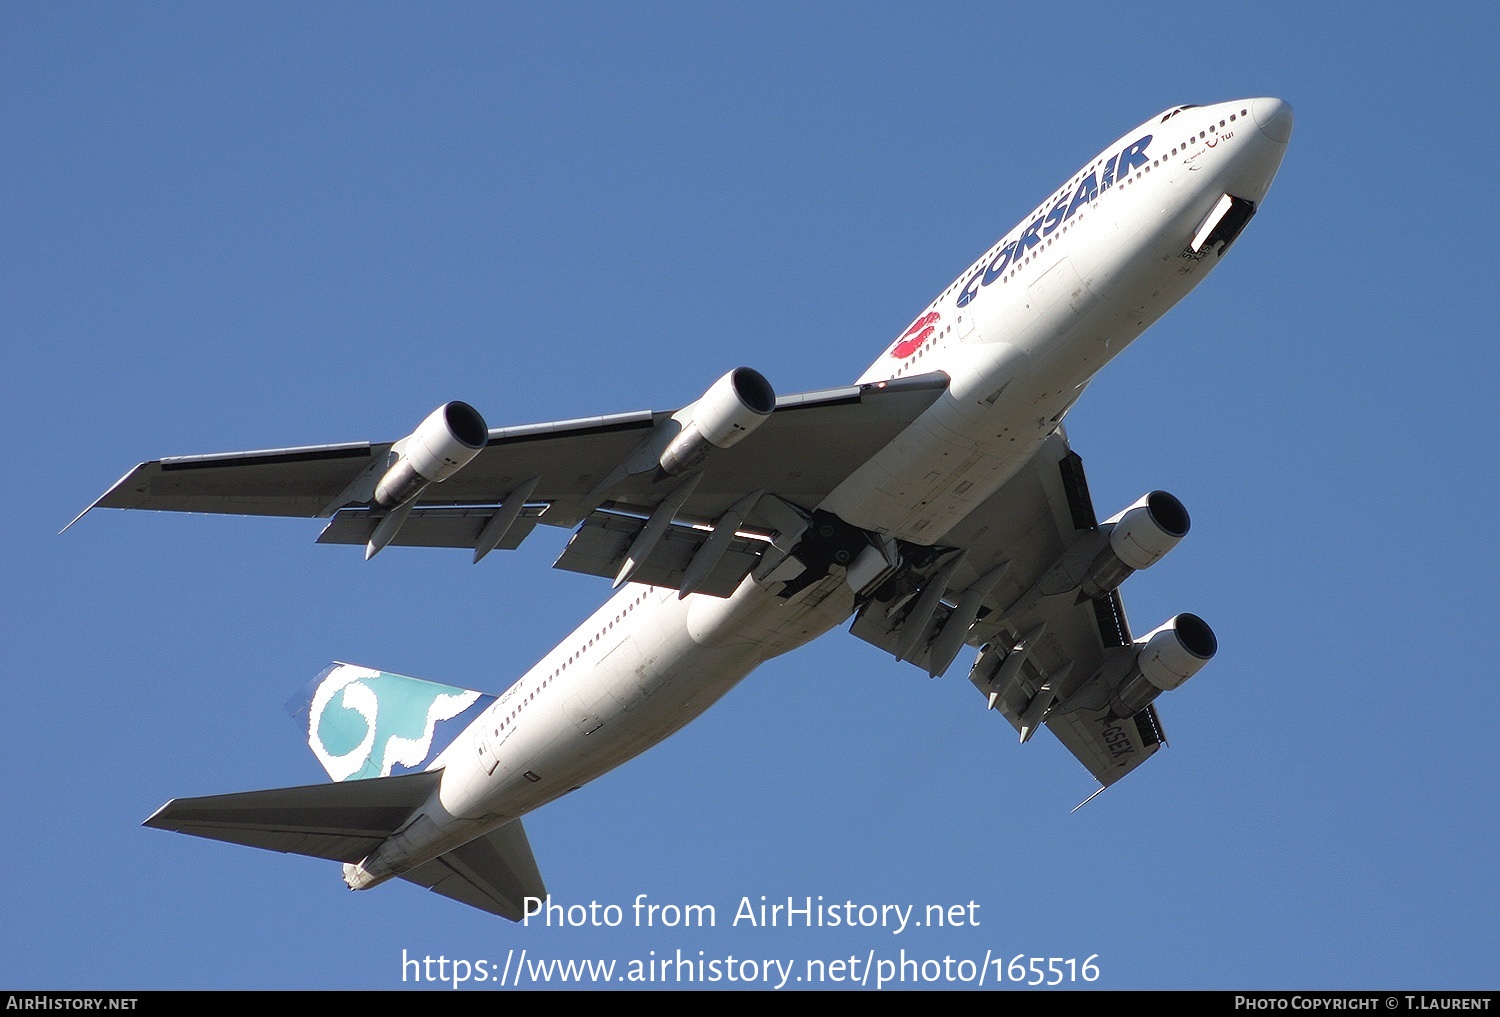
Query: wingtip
point(1088, 799)
point(117, 485)
point(75, 519)
point(151, 820)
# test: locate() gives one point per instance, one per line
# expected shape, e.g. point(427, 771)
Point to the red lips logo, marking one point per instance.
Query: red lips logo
point(915, 336)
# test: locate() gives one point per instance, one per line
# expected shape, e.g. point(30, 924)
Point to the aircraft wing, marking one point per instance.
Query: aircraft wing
point(1009, 579)
point(342, 822)
point(603, 471)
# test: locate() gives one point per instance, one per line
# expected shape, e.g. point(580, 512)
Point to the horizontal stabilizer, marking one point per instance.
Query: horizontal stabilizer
point(342, 822)
point(494, 873)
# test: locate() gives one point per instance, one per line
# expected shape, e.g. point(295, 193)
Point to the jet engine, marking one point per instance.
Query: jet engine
point(733, 406)
point(441, 445)
point(1167, 657)
point(1138, 538)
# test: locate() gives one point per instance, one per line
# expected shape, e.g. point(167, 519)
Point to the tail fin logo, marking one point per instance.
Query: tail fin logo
point(365, 723)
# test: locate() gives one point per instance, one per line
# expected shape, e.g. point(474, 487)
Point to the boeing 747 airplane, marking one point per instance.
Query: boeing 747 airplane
point(935, 501)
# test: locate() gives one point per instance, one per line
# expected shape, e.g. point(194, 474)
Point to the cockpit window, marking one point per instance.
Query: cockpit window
point(1173, 112)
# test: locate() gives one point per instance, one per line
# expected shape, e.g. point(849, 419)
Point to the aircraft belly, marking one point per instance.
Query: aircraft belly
point(646, 684)
point(538, 769)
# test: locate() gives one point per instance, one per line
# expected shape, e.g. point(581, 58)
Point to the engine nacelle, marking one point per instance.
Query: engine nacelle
point(1138, 538)
point(441, 445)
point(729, 411)
point(1168, 656)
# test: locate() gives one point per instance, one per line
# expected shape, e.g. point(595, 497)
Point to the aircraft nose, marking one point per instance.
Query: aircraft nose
point(1274, 118)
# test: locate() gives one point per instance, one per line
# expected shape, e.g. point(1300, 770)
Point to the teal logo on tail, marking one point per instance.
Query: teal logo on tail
point(366, 723)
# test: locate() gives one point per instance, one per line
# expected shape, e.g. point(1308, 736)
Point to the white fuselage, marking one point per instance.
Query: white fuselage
point(1019, 333)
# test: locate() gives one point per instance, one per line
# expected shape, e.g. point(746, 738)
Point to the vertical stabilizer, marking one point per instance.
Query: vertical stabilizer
point(362, 723)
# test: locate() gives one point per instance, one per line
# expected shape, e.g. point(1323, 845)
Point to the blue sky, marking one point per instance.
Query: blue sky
point(269, 225)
